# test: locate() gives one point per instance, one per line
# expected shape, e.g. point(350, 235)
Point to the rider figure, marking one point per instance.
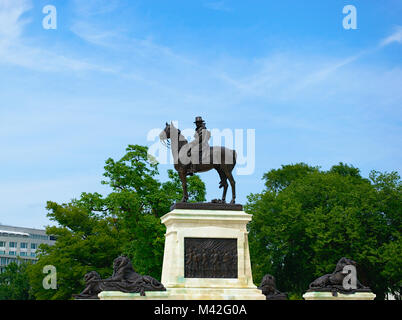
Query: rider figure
point(200, 142)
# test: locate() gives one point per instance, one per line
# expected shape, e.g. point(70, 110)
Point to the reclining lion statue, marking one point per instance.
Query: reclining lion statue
point(93, 286)
point(124, 279)
point(334, 281)
point(268, 288)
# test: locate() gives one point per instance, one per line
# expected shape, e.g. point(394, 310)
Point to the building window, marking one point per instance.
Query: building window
point(12, 253)
point(2, 252)
point(33, 254)
point(24, 245)
point(2, 244)
point(39, 236)
point(34, 246)
point(23, 254)
point(13, 244)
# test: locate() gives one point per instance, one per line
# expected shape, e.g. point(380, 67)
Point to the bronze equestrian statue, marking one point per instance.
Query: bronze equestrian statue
point(198, 156)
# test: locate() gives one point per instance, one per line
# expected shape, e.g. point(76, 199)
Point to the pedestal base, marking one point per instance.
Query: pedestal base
point(187, 294)
point(215, 294)
point(116, 295)
point(339, 296)
point(186, 275)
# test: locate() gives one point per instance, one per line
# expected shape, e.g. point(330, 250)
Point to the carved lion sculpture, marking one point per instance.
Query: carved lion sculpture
point(334, 281)
point(124, 279)
point(123, 270)
point(268, 288)
point(93, 286)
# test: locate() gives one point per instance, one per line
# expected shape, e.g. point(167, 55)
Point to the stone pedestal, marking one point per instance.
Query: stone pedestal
point(206, 256)
point(199, 225)
point(339, 296)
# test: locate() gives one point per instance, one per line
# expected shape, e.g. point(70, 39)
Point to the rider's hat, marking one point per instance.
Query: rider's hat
point(199, 120)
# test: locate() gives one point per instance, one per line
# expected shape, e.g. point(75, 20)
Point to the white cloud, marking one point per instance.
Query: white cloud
point(395, 37)
point(93, 35)
point(15, 51)
point(11, 24)
point(217, 6)
point(95, 7)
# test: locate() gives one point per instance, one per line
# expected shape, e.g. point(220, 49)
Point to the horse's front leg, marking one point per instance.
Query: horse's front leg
point(183, 179)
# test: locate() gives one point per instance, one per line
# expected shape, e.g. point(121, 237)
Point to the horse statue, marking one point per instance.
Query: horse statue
point(222, 159)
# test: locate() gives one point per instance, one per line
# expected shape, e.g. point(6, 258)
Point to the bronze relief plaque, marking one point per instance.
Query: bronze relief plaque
point(210, 258)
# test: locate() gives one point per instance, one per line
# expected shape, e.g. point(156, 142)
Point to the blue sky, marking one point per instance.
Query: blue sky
point(113, 70)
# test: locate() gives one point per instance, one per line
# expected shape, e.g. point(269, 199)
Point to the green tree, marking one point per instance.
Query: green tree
point(306, 219)
point(14, 282)
point(95, 229)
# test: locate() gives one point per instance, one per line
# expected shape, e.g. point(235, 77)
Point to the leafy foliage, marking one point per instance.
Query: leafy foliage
point(14, 283)
point(307, 219)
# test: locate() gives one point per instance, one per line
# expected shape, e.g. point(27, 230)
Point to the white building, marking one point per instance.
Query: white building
point(21, 244)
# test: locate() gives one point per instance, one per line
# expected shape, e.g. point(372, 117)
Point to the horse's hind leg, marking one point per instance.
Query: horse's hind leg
point(228, 172)
point(223, 184)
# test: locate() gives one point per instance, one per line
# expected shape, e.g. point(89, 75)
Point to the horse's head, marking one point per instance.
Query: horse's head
point(164, 136)
point(170, 131)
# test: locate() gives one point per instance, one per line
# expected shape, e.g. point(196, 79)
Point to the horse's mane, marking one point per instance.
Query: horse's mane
point(180, 136)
